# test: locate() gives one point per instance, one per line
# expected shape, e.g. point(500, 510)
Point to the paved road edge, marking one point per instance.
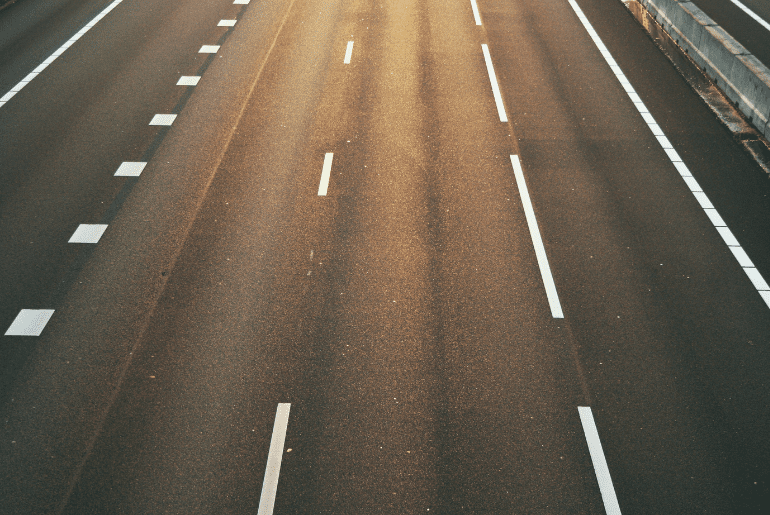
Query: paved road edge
point(740, 75)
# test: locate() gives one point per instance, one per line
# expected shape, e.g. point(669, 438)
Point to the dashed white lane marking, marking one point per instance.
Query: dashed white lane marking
point(209, 49)
point(493, 80)
point(748, 267)
point(163, 119)
point(274, 457)
point(186, 80)
point(88, 233)
point(611, 505)
point(534, 231)
point(226, 23)
point(752, 14)
point(29, 322)
point(348, 52)
point(51, 58)
point(130, 169)
point(325, 174)
point(241, 2)
point(476, 15)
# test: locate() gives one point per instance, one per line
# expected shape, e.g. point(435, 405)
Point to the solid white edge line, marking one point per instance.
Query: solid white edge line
point(601, 469)
point(476, 15)
point(493, 81)
point(59, 51)
point(542, 259)
point(752, 14)
point(742, 257)
point(274, 457)
point(348, 53)
point(754, 275)
point(323, 186)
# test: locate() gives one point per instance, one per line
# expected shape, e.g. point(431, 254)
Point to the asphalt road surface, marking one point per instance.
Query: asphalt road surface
point(390, 256)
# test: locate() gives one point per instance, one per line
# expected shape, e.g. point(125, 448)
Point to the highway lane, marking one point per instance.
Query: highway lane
point(401, 400)
point(64, 135)
point(403, 314)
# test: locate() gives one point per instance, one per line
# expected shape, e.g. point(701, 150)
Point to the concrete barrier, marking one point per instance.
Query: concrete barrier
point(740, 75)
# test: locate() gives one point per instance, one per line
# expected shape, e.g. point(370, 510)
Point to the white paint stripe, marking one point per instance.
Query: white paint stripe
point(664, 142)
point(715, 218)
point(88, 233)
point(655, 128)
point(130, 169)
point(226, 23)
point(756, 278)
point(29, 322)
point(241, 2)
point(209, 49)
point(186, 80)
point(728, 236)
point(742, 257)
point(8, 96)
point(325, 174)
point(163, 119)
point(476, 15)
point(59, 51)
point(274, 457)
point(703, 200)
point(672, 155)
point(692, 184)
point(752, 14)
point(348, 52)
point(493, 81)
point(542, 259)
point(611, 505)
point(682, 169)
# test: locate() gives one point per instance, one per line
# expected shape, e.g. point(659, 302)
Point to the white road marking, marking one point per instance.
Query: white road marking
point(186, 80)
point(534, 231)
point(226, 23)
point(752, 14)
point(348, 52)
point(325, 174)
point(493, 80)
point(29, 322)
point(241, 2)
point(611, 505)
point(209, 49)
point(88, 233)
point(740, 255)
point(728, 236)
point(130, 169)
point(5, 98)
point(715, 218)
point(476, 15)
point(274, 457)
point(163, 119)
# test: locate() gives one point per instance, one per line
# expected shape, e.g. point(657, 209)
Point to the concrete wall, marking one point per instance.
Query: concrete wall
point(741, 76)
